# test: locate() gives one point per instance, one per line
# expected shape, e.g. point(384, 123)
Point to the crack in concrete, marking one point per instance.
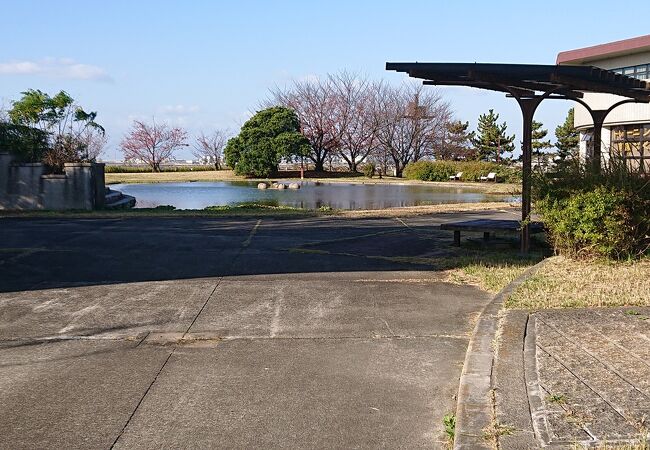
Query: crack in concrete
point(244, 245)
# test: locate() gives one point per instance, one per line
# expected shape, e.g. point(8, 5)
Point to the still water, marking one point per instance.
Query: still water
point(312, 195)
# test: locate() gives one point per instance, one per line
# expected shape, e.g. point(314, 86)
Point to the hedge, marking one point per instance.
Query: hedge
point(472, 171)
point(595, 215)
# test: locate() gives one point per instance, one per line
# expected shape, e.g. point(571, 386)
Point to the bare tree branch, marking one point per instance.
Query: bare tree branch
point(209, 148)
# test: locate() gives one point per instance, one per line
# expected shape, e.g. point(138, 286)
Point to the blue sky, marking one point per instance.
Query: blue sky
point(207, 64)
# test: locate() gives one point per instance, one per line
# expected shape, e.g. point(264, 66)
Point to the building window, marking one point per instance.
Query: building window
point(632, 144)
point(642, 71)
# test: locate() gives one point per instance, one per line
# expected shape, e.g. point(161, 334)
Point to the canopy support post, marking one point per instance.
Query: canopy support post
point(528, 107)
point(598, 117)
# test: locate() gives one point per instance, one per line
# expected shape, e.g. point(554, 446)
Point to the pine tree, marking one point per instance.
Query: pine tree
point(456, 142)
point(568, 138)
point(491, 141)
point(538, 144)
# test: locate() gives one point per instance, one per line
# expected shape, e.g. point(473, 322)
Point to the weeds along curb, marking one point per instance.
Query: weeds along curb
point(474, 404)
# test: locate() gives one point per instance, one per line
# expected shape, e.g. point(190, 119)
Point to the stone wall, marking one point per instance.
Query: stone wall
point(26, 186)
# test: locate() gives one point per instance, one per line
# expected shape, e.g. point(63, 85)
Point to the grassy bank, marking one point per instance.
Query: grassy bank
point(565, 283)
point(243, 210)
point(334, 177)
point(560, 283)
point(262, 210)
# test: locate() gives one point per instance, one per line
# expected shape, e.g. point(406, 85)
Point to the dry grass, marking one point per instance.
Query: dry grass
point(565, 283)
point(410, 211)
point(489, 276)
point(641, 444)
point(262, 210)
point(166, 177)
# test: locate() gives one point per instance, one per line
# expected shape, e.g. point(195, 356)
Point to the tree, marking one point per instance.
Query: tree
point(73, 134)
point(456, 142)
point(491, 140)
point(568, 138)
point(538, 144)
point(209, 148)
point(314, 103)
point(265, 139)
point(152, 144)
point(27, 144)
point(356, 119)
point(411, 122)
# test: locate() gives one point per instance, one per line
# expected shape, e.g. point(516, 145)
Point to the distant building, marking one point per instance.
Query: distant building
point(626, 131)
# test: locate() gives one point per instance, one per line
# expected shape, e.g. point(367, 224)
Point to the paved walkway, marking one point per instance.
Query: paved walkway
point(583, 377)
point(593, 370)
point(196, 333)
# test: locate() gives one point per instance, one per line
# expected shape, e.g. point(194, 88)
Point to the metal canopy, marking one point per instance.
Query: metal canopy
point(526, 79)
point(529, 84)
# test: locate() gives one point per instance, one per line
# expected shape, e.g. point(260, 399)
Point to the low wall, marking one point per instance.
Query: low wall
point(26, 186)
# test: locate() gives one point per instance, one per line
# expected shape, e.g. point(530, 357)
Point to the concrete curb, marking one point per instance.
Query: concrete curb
point(474, 403)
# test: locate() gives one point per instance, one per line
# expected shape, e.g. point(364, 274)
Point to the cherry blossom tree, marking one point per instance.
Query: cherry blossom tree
point(152, 144)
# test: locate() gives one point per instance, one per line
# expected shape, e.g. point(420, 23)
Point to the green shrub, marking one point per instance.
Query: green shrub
point(430, 170)
point(369, 169)
point(26, 144)
point(472, 171)
point(597, 215)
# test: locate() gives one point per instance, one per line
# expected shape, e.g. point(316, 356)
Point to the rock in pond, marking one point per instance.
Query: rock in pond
point(294, 186)
point(262, 185)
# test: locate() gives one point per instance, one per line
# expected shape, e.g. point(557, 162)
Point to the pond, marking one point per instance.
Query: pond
point(312, 195)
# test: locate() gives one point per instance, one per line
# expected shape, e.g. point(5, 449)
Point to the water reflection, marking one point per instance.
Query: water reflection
point(198, 195)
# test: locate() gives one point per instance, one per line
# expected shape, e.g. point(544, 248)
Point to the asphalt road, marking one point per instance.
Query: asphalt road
point(226, 333)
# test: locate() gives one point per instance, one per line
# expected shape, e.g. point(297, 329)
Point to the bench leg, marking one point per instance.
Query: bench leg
point(457, 238)
point(486, 235)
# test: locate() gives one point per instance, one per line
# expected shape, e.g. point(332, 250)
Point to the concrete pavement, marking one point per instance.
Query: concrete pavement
point(227, 333)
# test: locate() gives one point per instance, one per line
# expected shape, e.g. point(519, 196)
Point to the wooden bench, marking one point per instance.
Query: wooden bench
point(487, 226)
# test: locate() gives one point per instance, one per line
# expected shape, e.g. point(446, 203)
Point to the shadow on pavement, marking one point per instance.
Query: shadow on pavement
point(57, 253)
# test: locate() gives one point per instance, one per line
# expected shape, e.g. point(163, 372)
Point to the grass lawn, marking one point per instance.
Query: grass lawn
point(565, 283)
point(229, 175)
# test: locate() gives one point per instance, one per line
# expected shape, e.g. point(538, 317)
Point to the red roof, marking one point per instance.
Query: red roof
point(627, 46)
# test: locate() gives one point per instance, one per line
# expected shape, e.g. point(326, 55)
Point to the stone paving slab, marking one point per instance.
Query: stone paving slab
point(295, 393)
point(73, 394)
point(593, 372)
point(124, 309)
point(367, 305)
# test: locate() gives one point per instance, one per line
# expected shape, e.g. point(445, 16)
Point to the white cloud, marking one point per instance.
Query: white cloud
point(55, 67)
point(179, 110)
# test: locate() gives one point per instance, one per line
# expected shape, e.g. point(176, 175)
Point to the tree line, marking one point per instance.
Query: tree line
point(341, 118)
point(354, 121)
